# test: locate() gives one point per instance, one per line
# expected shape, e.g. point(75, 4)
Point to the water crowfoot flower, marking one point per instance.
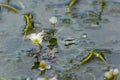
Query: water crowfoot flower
point(43, 66)
point(108, 75)
point(53, 78)
point(53, 21)
point(37, 38)
point(111, 74)
point(115, 72)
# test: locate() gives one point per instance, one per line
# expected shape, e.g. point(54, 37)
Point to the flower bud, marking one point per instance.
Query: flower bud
point(115, 72)
point(53, 20)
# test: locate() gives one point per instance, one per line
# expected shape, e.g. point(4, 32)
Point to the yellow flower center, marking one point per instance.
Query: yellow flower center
point(109, 75)
point(43, 64)
point(45, 79)
point(36, 40)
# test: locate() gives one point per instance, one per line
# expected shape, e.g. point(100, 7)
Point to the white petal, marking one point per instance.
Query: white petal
point(48, 67)
point(54, 78)
point(53, 20)
point(40, 37)
point(32, 36)
point(108, 75)
point(39, 78)
point(41, 34)
point(42, 69)
point(40, 41)
point(115, 72)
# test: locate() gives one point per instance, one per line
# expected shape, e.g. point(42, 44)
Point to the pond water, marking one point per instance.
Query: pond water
point(75, 32)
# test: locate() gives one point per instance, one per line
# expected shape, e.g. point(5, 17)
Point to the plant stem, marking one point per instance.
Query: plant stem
point(10, 7)
point(102, 3)
point(53, 29)
point(53, 26)
point(40, 46)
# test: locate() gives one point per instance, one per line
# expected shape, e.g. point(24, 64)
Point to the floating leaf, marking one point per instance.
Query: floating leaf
point(36, 65)
point(52, 43)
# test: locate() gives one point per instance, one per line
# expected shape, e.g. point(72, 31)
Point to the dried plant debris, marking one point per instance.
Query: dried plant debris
point(66, 21)
point(31, 52)
point(69, 42)
point(68, 76)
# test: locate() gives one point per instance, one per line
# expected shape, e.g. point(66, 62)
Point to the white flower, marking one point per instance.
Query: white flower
point(43, 65)
point(108, 75)
point(36, 38)
point(53, 20)
point(115, 72)
point(42, 79)
point(53, 78)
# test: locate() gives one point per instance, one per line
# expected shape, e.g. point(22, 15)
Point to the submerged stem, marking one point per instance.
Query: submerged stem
point(10, 7)
point(53, 29)
point(40, 46)
point(102, 3)
point(53, 26)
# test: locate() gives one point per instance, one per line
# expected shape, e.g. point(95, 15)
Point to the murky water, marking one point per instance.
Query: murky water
point(16, 65)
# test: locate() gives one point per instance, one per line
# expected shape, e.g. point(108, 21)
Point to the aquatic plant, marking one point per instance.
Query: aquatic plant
point(102, 5)
point(8, 1)
point(36, 65)
point(37, 38)
point(53, 21)
point(88, 57)
point(53, 78)
point(43, 66)
point(21, 4)
point(10, 7)
point(111, 74)
point(97, 53)
point(29, 25)
point(52, 43)
point(53, 40)
point(70, 4)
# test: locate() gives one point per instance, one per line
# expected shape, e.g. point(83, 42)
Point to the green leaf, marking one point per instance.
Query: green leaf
point(52, 43)
point(36, 65)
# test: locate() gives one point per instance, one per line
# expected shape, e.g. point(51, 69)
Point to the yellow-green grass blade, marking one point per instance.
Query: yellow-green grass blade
point(87, 58)
point(101, 57)
point(10, 7)
point(71, 3)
